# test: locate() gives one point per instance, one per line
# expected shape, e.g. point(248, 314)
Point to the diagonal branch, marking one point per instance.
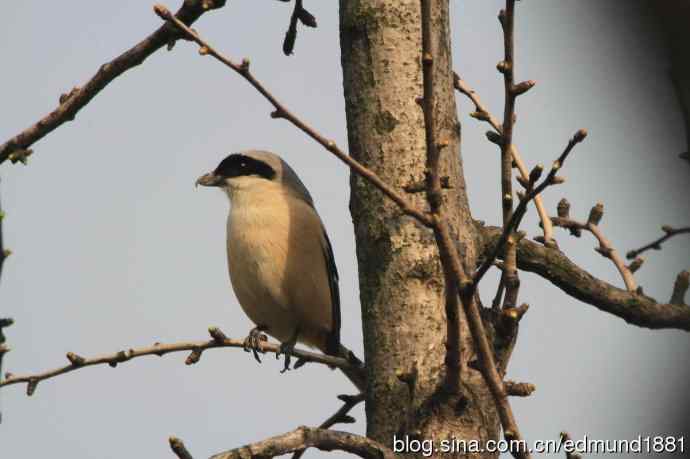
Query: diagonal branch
point(457, 279)
point(282, 112)
point(532, 191)
point(557, 268)
point(305, 437)
point(70, 104)
point(481, 113)
point(669, 232)
point(605, 247)
point(196, 348)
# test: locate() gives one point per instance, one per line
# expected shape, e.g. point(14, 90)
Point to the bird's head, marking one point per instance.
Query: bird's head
point(254, 171)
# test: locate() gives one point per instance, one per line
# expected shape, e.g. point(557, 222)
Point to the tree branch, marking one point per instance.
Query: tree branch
point(457, 280)
point(339, 417)
point(434, 196)
point(656, 244)
point(305, 437)
point(282, 112)
point(196, 348)
point(554, 266)
point(4, 322)
point(605, 247)
point(521, 209)
point(507, 67)
point(481, 113)
point(178, 447)
point(18, 146)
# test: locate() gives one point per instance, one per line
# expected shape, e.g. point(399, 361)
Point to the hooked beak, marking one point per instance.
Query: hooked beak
point(209, 179)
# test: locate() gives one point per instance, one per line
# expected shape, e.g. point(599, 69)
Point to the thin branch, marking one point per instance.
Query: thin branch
point(656, 244)
point(557, 268)
point(605, 248)
point(178, 447)
point(481, 113)
point(339, 417)
point(507, 67)
point(282, 112)
point(520, 210)
point(305, 437)
point(196, 348)
point(457, 279)
point(70, 103)
point(435, 198)
point(4, 322)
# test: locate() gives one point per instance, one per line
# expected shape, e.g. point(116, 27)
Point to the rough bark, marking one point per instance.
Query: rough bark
point(401, 282)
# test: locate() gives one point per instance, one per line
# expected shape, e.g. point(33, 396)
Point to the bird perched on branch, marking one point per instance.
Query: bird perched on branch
point(280, 260)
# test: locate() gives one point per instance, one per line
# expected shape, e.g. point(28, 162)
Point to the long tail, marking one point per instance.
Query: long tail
point(356, 372)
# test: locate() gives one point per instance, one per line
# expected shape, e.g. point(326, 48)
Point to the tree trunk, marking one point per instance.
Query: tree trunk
point(401, 282)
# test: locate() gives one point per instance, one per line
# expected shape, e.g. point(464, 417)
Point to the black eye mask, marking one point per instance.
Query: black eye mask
point(237, 165)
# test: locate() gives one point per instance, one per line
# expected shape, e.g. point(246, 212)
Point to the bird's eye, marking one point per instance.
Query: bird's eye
point(243, 165)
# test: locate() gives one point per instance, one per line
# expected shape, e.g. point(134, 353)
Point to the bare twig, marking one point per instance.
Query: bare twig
point(656, 244)
point(435, 198)
point(305, 437)
point(456, 278)
point(4, 322)
point(71, 103)
point(510, 279)
point(282, 112)
point(605, 248)
point(532, 191)
point(481, 113)
point(507, 67)
point(339, 417)
point(554, 266)
point(196, 348)
point(178, 447)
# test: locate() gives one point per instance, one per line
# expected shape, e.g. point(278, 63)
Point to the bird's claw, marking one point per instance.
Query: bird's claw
point(253, 342)
point(286, 349)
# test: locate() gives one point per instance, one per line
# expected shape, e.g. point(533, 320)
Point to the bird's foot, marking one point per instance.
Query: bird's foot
point(286, 349)
point(253, 341)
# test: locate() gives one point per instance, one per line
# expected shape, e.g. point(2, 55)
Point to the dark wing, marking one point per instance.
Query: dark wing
point(333, 344)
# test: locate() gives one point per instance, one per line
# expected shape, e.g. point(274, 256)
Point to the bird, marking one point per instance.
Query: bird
point(280, 259)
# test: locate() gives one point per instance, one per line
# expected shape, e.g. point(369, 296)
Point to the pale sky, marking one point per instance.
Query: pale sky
point(114, 248)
